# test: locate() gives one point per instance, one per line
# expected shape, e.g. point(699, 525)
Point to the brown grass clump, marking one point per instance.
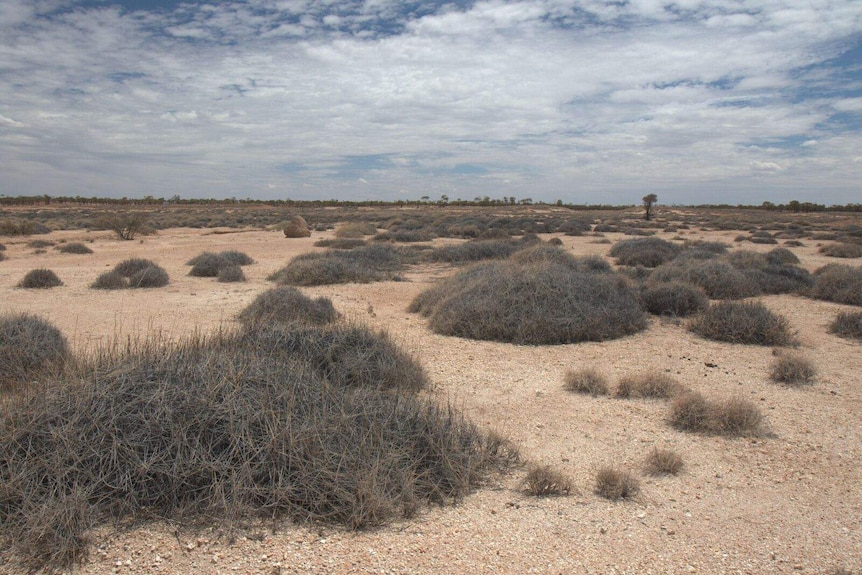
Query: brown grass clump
point(74, 248)
point(285, 304)
point(40, 278)
point(653, 384)
point(535, 303)
point(29, 348)
point(842, 250)
point(734, 417)
point(742, 322)
point(847, 324)
point(793, 368)
point(663, 462)
point(544, 481)
point(587, 380)
point(615, 484)
point(839, 283)
point(222, 428)
point(675, 299)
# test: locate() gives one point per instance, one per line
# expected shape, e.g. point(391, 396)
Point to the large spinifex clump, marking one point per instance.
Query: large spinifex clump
point(533, 298)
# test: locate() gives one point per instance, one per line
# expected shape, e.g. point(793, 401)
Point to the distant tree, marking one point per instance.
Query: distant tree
point(649, 200)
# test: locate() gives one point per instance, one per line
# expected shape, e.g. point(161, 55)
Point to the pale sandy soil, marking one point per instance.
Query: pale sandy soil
point(790, 503)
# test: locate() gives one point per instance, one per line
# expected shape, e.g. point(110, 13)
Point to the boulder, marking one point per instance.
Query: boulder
point(296, 227)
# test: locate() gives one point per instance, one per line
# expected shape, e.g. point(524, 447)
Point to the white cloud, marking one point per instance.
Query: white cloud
point(548, 101)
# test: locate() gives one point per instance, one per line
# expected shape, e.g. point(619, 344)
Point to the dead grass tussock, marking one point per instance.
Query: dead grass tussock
point(587, 380)
point(614, 483)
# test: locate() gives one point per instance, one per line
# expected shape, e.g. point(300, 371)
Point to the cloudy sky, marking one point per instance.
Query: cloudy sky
point(588, 101)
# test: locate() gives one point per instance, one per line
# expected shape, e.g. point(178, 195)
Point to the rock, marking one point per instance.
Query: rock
point(297, 227)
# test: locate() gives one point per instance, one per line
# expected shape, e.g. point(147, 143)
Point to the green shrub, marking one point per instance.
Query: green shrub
point(742, 322)
point(842, 250)
point(792, 368)
point(734, 417)
point(287, 305)
point(614, 484)
point(221, 429)
point(544, 481)
point(534, 303)
point(647, 252)
point(40, 278)
point(839, 283)
point(74, 248)
point(587, 380)
point(663, 462)
point(652, 384)
point(677, 299)
point(110, 280)
point(847, 324)
point(30, 347)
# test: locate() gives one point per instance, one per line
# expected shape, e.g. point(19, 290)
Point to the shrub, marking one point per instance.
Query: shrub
point(207, 265)
point(340, 243)
point(39, 244)
point(287, 305)
point(781, 256)
point(355, 230)
point(231, 274)
point(842, 250)
point(221, 429)
point(586, 380)
point(544, 481)
point(614, 484)
point(663, 462)
point(128, 268)
point(74, 248)
point(673, 298)
point(762, 240)
point(110, 280)
point(719, 280)
point(793, 368)
point(475, 250)
point(359, 265)
point(149, 277)
point(535, 303)
point(647, 252)
point(237, 258)
point(29, 347)
point(839, 283)
point(2, 248)
point(405, 236)
point(556, 242)
point(652, 384)
point(734, 417)
point(847, 324)
point(2, 256)
point(40, 278)
point(742, 322)
point(125, 225)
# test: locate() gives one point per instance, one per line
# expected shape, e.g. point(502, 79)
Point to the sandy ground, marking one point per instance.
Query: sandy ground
point(790, 503)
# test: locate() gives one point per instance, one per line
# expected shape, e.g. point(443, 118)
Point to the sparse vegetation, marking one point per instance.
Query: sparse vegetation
point(40, 278)
point(742, 322)
point(30, 348)
point(223, 427)
point(126, 225)
point(74, 248)
point(733, 417)
point(544, 481)
point(652, 384)
point(340, 243)
point(614, 484)
point(847, 324)
point(534, 303)
point(587, 380)
point(792, 368)
point(663, 462)
point(40, 244)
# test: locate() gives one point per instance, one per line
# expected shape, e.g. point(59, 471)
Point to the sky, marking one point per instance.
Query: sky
point(585, 101)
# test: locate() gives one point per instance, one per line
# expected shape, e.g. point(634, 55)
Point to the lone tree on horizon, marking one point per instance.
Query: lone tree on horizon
point(648, 201)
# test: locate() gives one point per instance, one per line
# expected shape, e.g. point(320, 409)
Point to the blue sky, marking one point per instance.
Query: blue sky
point(589, 101)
